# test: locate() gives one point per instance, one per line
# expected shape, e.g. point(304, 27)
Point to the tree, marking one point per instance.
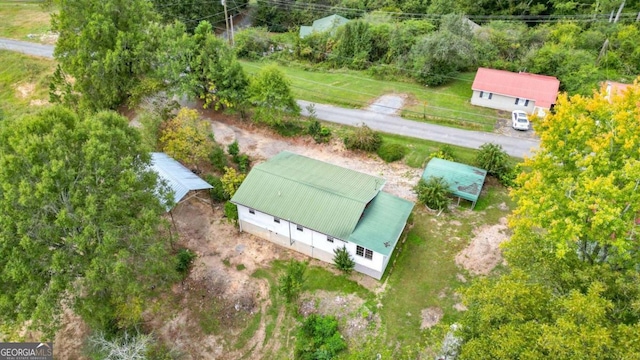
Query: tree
point(106, 46)
point(494, 159)
point(343, 260)
point(574, 286)
point(270, 91)
point(353, 45)
point(231, 181)
point(80, 221)
point(201, 66)
point(438, 56)
point(191, 12)
point(187, 138)
point(291, 282)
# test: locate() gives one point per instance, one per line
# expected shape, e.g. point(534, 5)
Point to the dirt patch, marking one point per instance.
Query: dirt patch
point(25, 90)
point(430, 317)
point(69, 340)
point(390, 104)
point(483, 253)
point(38, 102)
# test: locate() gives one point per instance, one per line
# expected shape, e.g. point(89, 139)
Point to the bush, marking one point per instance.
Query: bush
point(343, 260)
point(251, 43)
point(319, 133)
point(495, 160)
point(217, 193)
point(184, 258)
point(234, 149)
point(391, 152)
point(363, 138)
point(244, 163)
point(318, 338)
point(231, 211)
point(445, 152)
point(218, 158)
point(433, 193)
point(290, 284)
point(231, 181)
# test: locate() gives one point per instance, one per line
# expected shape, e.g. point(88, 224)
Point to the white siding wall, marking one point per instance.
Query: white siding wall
point(501, 102)
point(308, 241)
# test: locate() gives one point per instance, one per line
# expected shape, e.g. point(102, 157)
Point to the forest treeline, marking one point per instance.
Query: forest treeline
point(574, 42)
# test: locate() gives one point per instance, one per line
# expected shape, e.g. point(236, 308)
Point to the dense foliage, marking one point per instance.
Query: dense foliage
point(80, 221)
point(291, 282)
point(433, 193)
point(574, 288)
point(392, 152)
point(318, 338)
point(187, 138)
point(494, 159)
point(191, 12)
point(363, 138)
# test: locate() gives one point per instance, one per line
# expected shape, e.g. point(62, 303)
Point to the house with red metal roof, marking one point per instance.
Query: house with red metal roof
point(506, 90)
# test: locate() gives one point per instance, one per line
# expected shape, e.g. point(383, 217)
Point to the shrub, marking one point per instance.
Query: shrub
point(234, 149)
point(231, 211)
point(217, 193)
point(251, 43)
point(343, 260)
point(494, 159)
point(318, 338)
point(218, 158)
point(290, 284)
point(391, 152)
point(244, 163)
point(314, 127)
point(363, 138)
point(445, 152)
point(184, 258)
point(231, 181)
point(433, 193)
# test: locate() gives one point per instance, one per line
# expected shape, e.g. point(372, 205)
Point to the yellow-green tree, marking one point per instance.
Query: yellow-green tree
point(574, 287)
point(187, 138)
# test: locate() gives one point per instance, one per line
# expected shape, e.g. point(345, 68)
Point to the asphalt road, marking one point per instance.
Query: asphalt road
point(27, 48)
point(393, 124)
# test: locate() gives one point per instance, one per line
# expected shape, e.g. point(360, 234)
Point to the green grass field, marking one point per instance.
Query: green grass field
point(21, 18)
point(24, 83)
point(449, 105)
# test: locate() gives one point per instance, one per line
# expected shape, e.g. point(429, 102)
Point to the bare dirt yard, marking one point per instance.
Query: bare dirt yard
point(483, 253)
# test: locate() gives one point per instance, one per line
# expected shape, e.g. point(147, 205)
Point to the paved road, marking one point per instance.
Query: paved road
point(27, 48)
point(386, 123)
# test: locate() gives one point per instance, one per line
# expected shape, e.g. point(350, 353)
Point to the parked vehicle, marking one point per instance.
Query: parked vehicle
point(519, 120)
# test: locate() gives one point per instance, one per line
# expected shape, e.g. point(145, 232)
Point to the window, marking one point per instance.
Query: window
point(276, 220)
point(486, 95)
point(251, 211)
point(299, 227)
point(366, 253)
point(329, 239)
point(523, 102)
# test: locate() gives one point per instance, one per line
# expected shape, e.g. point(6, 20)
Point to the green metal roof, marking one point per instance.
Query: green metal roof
point(325, 24)
point(382, 223)
point(464, 181)
point(320, 196)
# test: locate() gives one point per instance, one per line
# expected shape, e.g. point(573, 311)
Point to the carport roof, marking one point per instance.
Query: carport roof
point(464, 181)
point(180, 179)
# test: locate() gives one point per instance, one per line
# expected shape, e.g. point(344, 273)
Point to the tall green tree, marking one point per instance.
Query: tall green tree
point(270, 91)
point(202, 66)
point(107, 46)
point(190, 12)
point(574, 287)
point(79, 221)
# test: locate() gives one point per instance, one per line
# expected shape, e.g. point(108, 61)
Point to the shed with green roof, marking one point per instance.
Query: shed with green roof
point(329, 23)
point(314, 207)
point(465, 181)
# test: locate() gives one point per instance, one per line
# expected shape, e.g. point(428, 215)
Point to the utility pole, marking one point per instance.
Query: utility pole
point(619, 11)
point(226, 18)
point(232, 39)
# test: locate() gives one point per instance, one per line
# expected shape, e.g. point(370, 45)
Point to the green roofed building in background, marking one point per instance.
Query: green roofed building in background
point(315, 207)
point(329, 23)
point(465, 181)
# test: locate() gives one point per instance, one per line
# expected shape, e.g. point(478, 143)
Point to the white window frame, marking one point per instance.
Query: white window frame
point(252, 212)
point(522, 102)
point(330, 239)
point(276, 220)
point(299, 228)
point(364, 252)
point(486, 95)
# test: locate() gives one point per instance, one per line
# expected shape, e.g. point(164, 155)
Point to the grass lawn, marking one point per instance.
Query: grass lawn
point(425, 273)
point(21, 18)
point(24, 82)
point(449, 105)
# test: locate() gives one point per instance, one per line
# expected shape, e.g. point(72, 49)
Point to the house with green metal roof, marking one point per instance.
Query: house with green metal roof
point(465, 181)
point(315, 207)
point(329, 23)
